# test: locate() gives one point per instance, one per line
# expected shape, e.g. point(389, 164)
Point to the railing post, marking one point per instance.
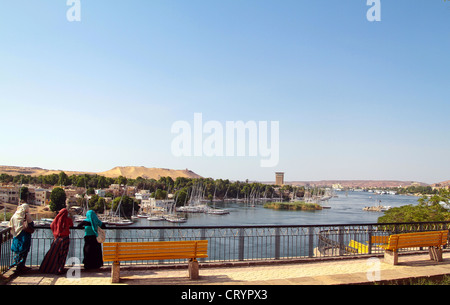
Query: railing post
point(370, 229)
point(241, 244)
point(161, 238)
point(277, 243)
point(117, 235)
point(341, 241)
point(161, 234)
point(202, 237)
point(310, 242)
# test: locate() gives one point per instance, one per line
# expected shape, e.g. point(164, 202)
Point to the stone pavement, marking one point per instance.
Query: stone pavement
point(334, 272)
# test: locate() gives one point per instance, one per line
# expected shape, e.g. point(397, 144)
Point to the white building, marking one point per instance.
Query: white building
point(100, 193)
point(9, 194)
point(41, 196)
point(151, 203)
point(142, 196)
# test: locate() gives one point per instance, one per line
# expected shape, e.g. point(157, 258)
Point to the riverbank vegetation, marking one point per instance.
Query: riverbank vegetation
point(434, 208)
point(293, 206)
point(180, 187)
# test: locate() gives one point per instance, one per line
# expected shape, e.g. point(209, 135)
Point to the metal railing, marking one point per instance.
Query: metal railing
point(5, 250)
point(237, 243)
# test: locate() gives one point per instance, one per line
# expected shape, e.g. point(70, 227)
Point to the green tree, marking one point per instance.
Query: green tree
point(50, 179)
point(63, 179)
point(181, 196)
point(5, 178)
point(121, 180)
point(126, 205)
point(97, 204)
point(159, 194)
point(23, 193)
point(428, 209)
point(81, 181)
point(101, 182)
point(57, 199)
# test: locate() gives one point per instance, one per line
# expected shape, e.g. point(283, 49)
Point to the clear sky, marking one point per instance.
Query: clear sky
point(354, 99)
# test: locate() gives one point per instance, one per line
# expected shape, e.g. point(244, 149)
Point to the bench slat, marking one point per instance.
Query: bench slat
point(420, 239)
point(155, 256)
point(131, 251)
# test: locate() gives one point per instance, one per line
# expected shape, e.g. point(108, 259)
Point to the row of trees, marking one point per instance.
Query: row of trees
point(219, 188)
point(416, 189)
point(98, 204)
point(430, 208)
point(62, 179)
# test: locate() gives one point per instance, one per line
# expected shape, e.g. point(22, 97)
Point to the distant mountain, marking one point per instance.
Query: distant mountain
point(127, 171)
point(148, 173)
point(442, 184)
point(359, 183)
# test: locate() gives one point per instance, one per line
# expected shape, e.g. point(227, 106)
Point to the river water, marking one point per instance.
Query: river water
point(346, 208)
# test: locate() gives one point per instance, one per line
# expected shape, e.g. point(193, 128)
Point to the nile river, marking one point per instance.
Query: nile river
point(347, 208)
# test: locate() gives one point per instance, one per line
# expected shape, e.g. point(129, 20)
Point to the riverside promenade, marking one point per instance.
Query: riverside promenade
point(355, 271)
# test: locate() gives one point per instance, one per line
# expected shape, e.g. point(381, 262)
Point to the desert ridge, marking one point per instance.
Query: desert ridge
point(148, 173)
point(130, 172)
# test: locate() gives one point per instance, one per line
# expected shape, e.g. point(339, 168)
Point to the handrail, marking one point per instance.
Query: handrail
point(267, 226)
point(239, 243)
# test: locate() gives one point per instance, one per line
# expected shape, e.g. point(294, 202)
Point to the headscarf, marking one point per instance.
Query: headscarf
point(16, 221)
point(92, 218)
point(61, 224)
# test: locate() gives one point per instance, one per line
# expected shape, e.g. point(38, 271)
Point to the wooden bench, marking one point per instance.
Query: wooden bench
point(434, 240)
point(117, 252)
point(359, 247)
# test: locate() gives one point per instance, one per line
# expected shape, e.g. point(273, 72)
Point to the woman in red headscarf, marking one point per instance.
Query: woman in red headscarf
point(55, 259)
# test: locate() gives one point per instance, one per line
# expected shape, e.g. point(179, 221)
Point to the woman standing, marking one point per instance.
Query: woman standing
point(21, 225)
point(93, 257)
point(55, 259)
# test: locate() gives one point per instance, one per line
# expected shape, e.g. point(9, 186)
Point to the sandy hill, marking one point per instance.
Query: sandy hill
point(35, 171)
point(148, 173)
point(442, 184)
point(127, 171)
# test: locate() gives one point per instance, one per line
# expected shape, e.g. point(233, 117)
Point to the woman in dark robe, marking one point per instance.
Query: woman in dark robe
point(55, 259)
point(93, 257)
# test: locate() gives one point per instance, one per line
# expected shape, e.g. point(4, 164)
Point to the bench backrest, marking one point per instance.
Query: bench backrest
point(361, 248)
point(380, 239)
point(419, 239)
point(132, 251)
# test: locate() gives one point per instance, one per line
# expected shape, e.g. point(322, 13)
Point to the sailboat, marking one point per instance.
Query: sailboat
point(155, 218)
point(173, 217)
point(117, 220)
point(195, 204)
point(82, 216)
point(215, 211)
point(121, 222)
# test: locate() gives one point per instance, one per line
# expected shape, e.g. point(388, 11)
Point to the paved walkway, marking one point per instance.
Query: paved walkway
point(336, 272)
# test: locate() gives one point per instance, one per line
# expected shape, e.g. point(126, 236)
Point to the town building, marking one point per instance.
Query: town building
point(279, 178)
point(41, 196)
point(9, 194)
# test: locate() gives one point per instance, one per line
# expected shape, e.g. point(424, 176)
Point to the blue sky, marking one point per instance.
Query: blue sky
point(354, 99)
